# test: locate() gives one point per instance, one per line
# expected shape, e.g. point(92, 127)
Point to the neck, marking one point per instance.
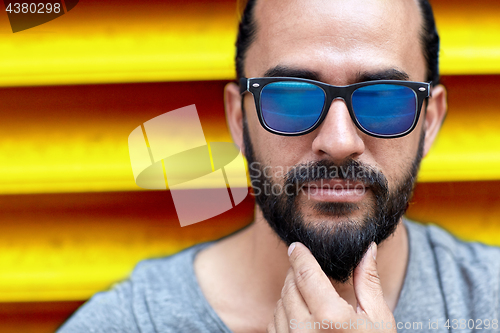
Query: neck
point(251, 265)
point(267, 260)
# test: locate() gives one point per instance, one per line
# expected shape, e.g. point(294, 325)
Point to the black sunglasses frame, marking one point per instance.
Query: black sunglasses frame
point(255, 86)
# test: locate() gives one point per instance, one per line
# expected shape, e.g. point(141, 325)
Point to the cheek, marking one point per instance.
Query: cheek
point(395, 157)
point(280, 151)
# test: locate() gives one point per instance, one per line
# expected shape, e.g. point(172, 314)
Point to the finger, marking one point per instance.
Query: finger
point(312, 282)
point(294, 304)
point(271, 328)
point(367, 286)
point(280, 318)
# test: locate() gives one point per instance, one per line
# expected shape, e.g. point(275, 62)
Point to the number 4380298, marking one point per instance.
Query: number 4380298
point(478, 324)
point(33, 8)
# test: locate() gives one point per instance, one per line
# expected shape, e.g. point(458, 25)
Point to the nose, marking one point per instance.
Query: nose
point(338, 137)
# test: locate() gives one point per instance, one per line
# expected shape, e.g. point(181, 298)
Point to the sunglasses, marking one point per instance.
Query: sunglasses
point(294, 106)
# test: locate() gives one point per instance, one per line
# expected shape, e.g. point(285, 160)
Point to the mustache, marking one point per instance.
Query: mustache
point(349, 170)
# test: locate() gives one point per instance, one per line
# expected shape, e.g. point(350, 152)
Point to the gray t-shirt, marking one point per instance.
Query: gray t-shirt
point(449, 285)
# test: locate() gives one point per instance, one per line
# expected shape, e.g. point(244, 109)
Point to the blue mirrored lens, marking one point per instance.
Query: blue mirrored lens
point(385, 109)
point(291, 107)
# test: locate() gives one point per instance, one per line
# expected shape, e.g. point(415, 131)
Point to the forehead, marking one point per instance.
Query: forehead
point(337, 38)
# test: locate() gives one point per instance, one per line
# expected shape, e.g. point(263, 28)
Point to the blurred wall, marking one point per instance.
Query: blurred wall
point(72, 220)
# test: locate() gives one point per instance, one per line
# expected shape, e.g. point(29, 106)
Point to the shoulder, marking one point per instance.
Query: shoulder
point(157, 290)
point(446, 247)
point(468, 272)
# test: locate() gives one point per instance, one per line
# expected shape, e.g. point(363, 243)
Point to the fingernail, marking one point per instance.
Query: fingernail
point(373, 248)
point(290, 249)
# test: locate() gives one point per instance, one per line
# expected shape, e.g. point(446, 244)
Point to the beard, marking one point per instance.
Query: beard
point(337, 246)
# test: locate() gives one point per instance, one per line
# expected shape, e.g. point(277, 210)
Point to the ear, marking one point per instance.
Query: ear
point(434, 117)
point(234, 114)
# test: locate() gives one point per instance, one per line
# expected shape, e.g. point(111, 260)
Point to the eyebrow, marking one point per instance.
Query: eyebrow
point(283, 71)
point(387, 74)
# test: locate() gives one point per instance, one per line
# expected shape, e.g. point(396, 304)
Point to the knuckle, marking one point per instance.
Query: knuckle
point(326, 315)
point(323, 314)
point(305, 274)
point(372, 277)
point(341, 312)
point(336, 314)
point(374, 286)
point(279, 307)
point(288, 288)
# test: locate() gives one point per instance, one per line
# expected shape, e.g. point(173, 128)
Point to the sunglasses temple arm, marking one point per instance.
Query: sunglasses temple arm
point(243, 85)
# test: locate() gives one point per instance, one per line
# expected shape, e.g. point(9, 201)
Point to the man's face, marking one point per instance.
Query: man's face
point(341, 42)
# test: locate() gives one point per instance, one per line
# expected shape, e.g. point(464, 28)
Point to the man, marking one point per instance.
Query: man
point(338, 102)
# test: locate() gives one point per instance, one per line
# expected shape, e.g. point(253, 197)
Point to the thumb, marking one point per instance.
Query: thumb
point(367, 285)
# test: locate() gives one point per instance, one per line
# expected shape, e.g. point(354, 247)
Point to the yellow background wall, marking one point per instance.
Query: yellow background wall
point(72, 220)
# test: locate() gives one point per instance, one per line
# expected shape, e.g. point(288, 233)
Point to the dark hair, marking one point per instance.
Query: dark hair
point(429, 39)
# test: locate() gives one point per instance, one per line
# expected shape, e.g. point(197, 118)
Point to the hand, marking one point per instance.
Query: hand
point(308, 298)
